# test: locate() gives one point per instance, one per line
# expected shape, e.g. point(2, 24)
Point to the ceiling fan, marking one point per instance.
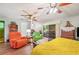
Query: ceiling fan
point(30, 16)
point(54, 7)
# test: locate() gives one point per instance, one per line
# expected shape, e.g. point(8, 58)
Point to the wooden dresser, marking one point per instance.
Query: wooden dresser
point(68, 31)
point(68, 34)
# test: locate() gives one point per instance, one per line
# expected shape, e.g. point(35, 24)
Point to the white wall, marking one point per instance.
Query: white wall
point(74, 20)
point(57, 26)
point(36, 26)
point(62, 22)
point(22, 26)
point(8, 21)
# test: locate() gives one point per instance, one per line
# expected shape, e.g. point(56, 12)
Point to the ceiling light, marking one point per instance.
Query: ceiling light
point(55, 10)
point(51, 10)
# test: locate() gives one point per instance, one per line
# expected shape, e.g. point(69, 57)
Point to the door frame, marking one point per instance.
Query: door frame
point(3, 30)
point(54, 28)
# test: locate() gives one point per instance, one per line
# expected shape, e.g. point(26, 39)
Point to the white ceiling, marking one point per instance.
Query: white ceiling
point(14, 11)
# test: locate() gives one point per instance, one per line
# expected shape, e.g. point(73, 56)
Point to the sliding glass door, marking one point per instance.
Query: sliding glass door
point(1, 31)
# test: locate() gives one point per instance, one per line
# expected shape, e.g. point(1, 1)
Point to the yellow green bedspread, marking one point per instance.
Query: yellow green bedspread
point(58, 46)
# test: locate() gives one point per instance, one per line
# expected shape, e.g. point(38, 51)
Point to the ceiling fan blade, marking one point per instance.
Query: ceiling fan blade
point(60, 5)
point(34, 18)
point(64, 4)
point(29, 17)
point(25, 12)
point(58, 8)
point(34, 13)
point(40, 8)
point(24, 15)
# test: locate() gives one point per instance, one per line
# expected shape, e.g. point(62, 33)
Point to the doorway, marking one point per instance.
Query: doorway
point(52, 31)
point(2, 31)
point(49, 31)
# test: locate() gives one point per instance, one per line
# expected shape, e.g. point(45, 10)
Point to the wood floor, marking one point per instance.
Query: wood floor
point(6, 50)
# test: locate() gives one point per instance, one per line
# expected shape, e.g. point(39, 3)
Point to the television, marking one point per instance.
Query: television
point(77, 32)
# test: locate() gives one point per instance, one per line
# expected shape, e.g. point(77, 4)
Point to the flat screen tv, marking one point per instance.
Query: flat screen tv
point(77, 31)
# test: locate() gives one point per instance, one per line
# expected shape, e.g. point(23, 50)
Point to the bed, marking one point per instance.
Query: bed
point(58, 46)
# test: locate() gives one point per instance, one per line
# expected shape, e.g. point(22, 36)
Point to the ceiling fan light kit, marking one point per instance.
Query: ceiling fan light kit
point(55, 10)
point(51, 10)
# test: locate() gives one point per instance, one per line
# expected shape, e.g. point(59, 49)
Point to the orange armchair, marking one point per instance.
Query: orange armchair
point(16, 41)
